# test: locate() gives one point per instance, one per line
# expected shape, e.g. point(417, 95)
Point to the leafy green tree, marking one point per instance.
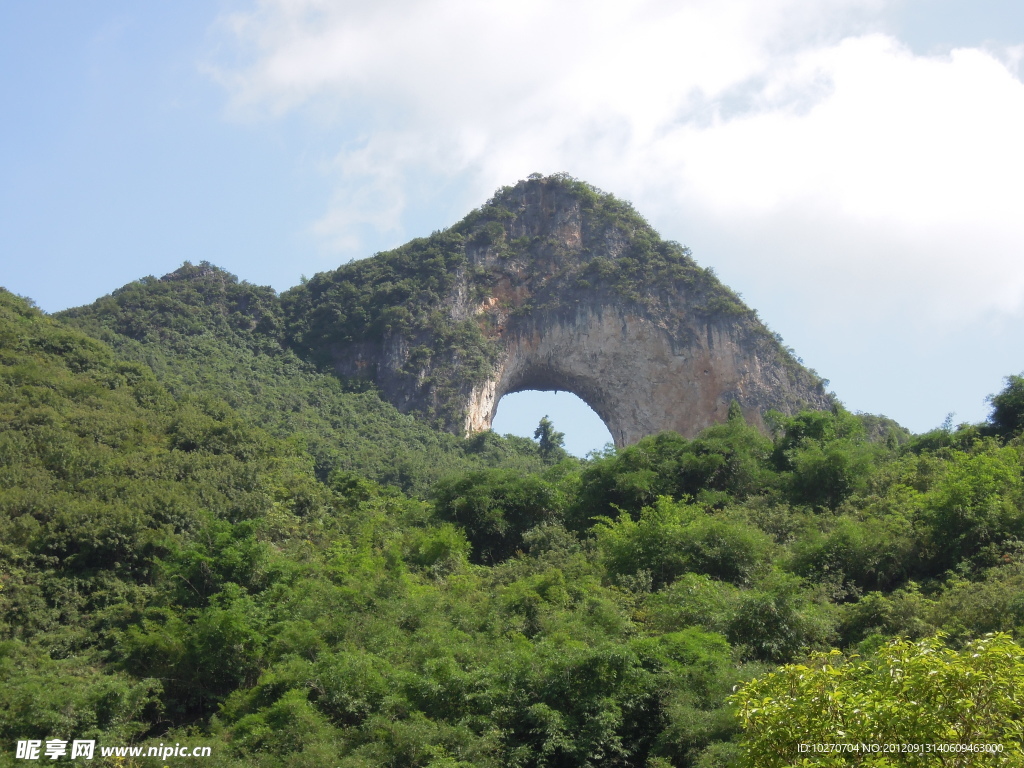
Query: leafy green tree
point(780, 618)
point(826, 454)
point(551, 441)
point(857, 555)
point(995, 603)
point(904, 612)
point(290, 725)
point(672, 538)
point(906, 693)
point(1007, 417)
point(43, 696)
point(629, 479)
point(972, 514)
point(496, 507)
point(735, 412)
point(725, 462)
point(699, 671)
point(693, 600)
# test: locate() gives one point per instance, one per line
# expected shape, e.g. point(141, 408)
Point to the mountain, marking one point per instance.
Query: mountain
point(210, 538)
point(549, 285)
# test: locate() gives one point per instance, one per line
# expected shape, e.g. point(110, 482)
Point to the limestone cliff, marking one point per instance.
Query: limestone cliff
point(550, 285)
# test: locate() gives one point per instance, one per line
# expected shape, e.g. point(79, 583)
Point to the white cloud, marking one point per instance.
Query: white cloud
point(789, 124)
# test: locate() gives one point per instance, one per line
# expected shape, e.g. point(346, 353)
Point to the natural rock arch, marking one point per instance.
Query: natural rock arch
point(550, 285)
point(628, 371)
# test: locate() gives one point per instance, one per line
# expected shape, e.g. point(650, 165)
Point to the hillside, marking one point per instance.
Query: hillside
point(208, 537)
point(201, 329)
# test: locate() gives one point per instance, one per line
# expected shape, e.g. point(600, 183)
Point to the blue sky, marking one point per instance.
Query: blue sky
point(852, 167)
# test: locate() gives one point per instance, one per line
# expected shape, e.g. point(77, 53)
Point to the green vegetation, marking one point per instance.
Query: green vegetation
point(549, 440)
point(205, 539)
point(201, 330)
point(371, 298)
point(901, 700)
point(1008, 408)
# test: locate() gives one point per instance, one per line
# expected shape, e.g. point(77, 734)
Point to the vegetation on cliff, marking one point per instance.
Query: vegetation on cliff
point(205, 540)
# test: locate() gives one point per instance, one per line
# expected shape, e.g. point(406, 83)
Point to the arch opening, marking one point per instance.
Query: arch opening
point(520, 412)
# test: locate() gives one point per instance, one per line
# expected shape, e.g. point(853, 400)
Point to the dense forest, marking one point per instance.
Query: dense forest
point(207, 540)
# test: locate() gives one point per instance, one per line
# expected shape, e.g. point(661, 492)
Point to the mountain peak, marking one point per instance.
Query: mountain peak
point(551, 284)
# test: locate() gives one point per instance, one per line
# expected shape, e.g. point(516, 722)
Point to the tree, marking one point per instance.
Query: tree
point(923, 695)
point(828, 455)
point(1007, 418)
point(551, 442)
point(735, 412)
point(496, 507)
point(972, 512)
point(673, 538)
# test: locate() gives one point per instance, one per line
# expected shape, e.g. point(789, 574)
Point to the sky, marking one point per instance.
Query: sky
point(853, 168)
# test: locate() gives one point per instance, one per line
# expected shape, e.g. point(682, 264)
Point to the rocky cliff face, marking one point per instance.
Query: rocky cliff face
point(551, 285)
